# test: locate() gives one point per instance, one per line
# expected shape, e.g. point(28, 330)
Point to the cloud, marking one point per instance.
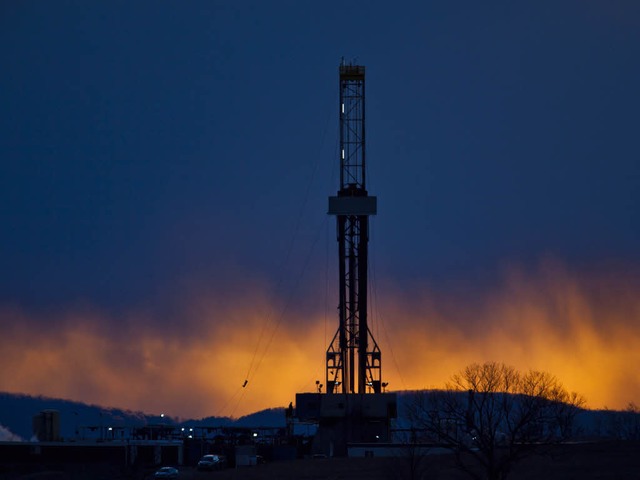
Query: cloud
point(582, 328)
point(192, 363)
point(193, 367)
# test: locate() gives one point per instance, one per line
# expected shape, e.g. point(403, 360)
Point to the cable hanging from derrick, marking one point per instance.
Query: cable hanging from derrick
point(272, 320)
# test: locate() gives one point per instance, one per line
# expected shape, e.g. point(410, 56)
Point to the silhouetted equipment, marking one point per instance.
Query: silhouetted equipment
point(46, 426)
point(353, 409)
point(353, 358)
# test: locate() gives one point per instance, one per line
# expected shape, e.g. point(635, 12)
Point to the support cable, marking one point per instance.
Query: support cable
point(281, 272)
point(374, 294)
point(332, 180)
point(224, 407)
point(289, 299)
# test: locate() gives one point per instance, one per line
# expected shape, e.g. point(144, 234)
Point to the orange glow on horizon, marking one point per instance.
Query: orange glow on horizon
point(586, 332)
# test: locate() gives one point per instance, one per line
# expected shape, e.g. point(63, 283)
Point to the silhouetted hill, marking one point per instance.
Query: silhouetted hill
point(270, 417)
point(17, 411)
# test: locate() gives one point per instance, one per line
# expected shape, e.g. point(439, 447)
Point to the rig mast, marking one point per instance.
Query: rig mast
point(353, 358)
point(354, 409)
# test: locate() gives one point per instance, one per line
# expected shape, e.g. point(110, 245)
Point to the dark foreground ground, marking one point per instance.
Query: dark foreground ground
point(601, 461)
point(569, 462)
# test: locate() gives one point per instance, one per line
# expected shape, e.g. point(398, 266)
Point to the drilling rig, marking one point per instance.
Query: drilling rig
point(354, 409)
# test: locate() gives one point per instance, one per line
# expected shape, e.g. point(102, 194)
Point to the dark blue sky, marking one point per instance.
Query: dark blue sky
point(150, 148)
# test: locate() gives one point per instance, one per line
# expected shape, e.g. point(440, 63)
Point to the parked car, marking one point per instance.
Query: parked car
point(167, 472)
point(212, 462)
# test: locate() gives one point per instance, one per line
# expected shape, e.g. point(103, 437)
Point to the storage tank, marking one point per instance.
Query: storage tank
point(46, 426)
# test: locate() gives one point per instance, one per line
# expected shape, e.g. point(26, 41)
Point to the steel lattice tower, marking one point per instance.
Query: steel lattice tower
point(354, 409)
point(353, 359)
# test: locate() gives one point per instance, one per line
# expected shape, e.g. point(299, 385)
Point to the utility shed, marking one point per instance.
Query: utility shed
point(246, 456)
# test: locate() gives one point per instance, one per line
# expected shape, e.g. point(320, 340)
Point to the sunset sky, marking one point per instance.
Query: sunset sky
point(165, 168)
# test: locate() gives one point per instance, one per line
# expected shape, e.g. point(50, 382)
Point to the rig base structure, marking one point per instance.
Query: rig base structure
point(346, 419)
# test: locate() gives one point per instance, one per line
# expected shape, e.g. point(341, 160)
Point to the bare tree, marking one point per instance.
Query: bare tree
point(622, 425)
point(411, 459)
point(492, 416)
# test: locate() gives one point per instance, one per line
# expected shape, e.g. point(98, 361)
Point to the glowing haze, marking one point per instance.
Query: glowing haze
point(584, 330)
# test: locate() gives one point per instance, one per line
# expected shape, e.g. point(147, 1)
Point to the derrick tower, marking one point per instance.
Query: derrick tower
point(354, 409)
point(353, 358)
